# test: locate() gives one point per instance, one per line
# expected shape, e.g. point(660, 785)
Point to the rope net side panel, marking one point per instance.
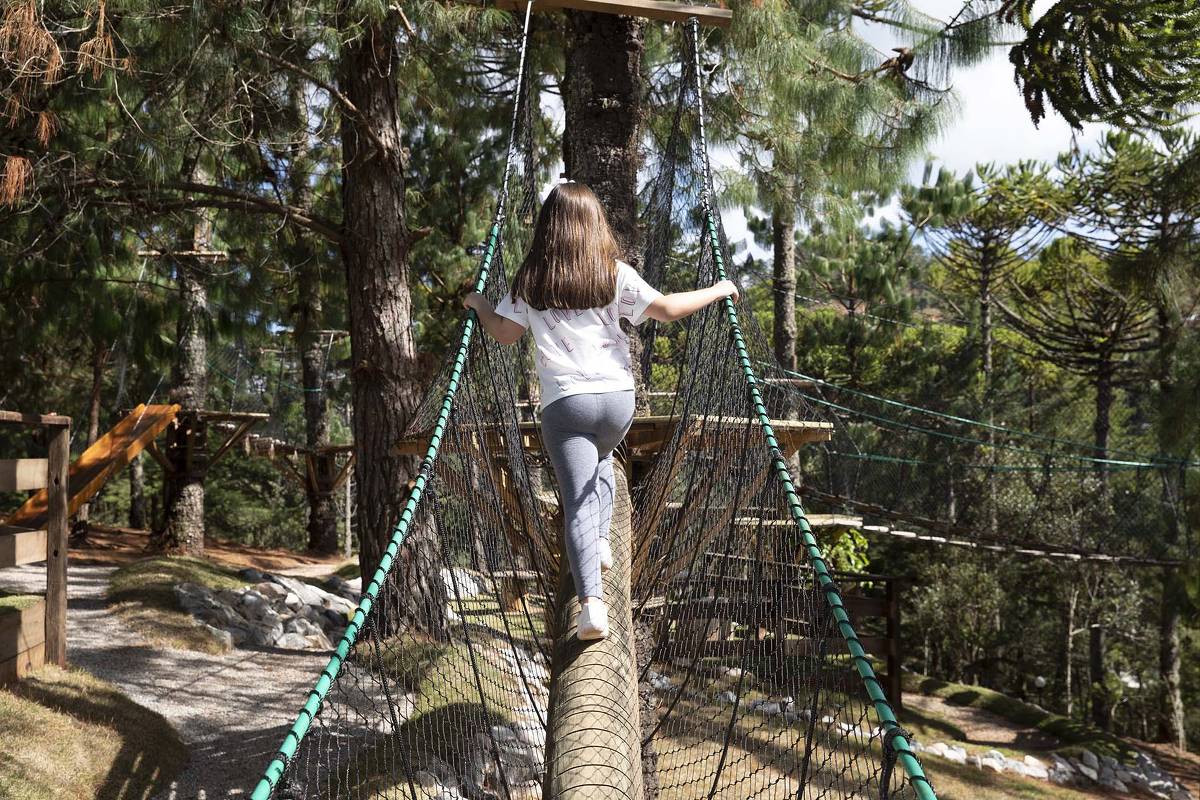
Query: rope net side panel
point(748, 689)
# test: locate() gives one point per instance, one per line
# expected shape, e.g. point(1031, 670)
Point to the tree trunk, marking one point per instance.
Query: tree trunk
point(1101, 706)
point(385, 371)
point(783, 244)
point(603, 93)
point(1067, 651)
point(1171, 715)
point(183, 529)
point(989, 383)
point(99, 361)
point(137, 493)
point(1171, 727)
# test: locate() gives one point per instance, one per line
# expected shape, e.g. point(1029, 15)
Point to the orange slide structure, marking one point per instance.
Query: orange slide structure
point(111, 452)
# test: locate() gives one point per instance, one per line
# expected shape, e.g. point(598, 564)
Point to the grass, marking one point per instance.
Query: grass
point(143, 594)
point(1073, 734)
point(17, 602)
point(66, 735)
point(347, 571)
point(447, 715)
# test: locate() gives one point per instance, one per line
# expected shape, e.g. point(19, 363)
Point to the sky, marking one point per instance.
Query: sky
point(992, 124)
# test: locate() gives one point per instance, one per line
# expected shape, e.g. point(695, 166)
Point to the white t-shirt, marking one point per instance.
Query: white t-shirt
point(584, 351)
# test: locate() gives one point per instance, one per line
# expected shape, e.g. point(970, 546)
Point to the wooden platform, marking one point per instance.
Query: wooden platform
point(647, 435)
point(99, 463)
point(663, 10)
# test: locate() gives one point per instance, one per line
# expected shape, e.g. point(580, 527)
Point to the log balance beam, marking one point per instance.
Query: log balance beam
point(593, 733)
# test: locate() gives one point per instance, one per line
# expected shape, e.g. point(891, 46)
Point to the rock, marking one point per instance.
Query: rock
point(252, 575)
point(1115, 785)
point(991, 763)
point(319, 641)
point(223, 637)
point(727, 697)
point(937, 748)
point(459, 583)
point(427, 780)
point(1061, 775)
point(328, 618)
point(976, 761)
point(253, 605)
point(292, 601)
point(265, 636)
point(292, 641)
point(1089, 773)
point(955, 755)
point(1110, 762)
point(1088, 758)
point(270, 589)
point(1035, 768)
point(995, 755)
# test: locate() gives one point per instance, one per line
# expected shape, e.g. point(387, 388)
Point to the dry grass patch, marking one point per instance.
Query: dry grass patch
point(66, 735)
point(143, 596)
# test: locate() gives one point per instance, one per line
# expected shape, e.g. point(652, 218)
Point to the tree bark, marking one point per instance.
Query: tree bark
point(1101, 707)
point(385, 371)
point(1067, 651)
point(1171, 728)
point(99, 361)
point(183, 529)
point(137, 493)
point(783, 242)
point(303, 258)
point(986, 268)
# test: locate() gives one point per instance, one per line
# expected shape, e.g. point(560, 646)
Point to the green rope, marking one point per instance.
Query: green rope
point(266, 785)
point(892, 730)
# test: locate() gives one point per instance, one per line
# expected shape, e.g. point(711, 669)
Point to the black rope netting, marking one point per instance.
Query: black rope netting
point(743, 684)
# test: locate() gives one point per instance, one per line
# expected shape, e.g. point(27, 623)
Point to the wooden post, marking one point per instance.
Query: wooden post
point(894, 682)
point(56, 546)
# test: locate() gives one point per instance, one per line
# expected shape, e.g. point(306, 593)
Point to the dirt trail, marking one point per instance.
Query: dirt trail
point(981, 727)
point(231, 710)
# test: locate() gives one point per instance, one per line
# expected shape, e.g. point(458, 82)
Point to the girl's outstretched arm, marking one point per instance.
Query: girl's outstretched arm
point(502, 329)
point(671, 307)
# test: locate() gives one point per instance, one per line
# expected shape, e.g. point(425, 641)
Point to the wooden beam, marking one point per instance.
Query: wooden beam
point(157, 455)
point(21, 546)
point(45, 420)
point(108, 455)
point(22, 474)
point(235, 437)
point(57, 530)
point(662, 10)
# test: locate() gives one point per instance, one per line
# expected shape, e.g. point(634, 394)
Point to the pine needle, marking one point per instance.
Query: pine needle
point(17, 174)
point(47, 126)
point(99, 52)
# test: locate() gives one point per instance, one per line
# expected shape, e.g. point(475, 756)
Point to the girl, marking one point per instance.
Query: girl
point(573, 292)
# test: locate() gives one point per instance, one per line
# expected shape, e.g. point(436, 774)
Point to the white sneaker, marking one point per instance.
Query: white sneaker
point(593, 620)
point(605, 555)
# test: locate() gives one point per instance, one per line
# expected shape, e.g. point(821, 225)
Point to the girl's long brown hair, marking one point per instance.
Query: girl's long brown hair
point(572, 263)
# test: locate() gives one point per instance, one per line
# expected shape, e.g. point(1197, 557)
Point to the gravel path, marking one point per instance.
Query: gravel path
point(231, 710)
point(982, 727)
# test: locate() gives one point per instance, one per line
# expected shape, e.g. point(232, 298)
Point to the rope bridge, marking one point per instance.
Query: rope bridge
point(732, 669)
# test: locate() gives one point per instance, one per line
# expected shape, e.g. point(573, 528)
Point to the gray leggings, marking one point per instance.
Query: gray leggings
point(579, 433)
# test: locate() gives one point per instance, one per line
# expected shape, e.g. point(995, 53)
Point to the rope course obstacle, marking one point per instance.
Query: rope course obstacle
point(733, 669)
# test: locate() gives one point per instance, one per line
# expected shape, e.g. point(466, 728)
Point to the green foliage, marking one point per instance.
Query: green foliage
point(1127, 62)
